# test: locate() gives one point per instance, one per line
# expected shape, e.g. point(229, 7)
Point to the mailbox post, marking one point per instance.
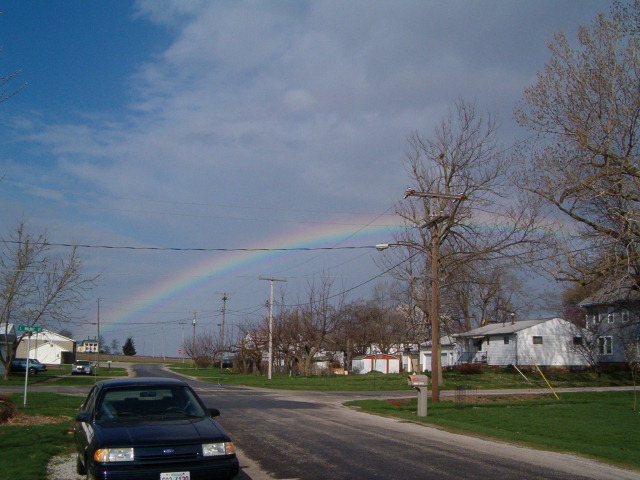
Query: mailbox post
point(420, 383)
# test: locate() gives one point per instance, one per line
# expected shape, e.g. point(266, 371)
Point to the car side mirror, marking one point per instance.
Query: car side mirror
point(83, 417)
point(214, 412)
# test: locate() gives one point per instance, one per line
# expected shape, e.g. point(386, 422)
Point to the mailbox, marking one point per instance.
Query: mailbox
point(418, 380)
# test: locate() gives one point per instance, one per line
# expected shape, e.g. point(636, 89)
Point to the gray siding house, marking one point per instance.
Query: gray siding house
point(613, 318)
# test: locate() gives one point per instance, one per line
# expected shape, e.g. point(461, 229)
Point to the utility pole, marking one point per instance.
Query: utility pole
point(434, 310)
point(182, 324)
point(224, 309)
point(163, 355)
point(271, 280)
point(95, 370)
point(193, 339)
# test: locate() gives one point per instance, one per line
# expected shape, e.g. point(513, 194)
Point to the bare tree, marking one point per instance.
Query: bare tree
point(204, 349)
point(251, 347)
point(311, 324)
point(36, 286)
point(583, 161)
point(353, 334)
point(472, 213)
point(479, 293)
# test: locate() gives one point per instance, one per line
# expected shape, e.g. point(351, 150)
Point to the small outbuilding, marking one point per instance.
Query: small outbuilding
point(48, 347)
point(380, 362)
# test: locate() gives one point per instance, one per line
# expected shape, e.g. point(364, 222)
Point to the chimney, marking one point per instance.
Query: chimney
point(513, 318)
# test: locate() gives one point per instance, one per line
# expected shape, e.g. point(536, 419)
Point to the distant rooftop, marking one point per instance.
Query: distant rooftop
point(624, 290)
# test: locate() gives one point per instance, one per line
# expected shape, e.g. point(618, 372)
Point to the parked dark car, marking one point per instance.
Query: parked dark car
point(150, 429)
point(20, 365)
point(81, 366)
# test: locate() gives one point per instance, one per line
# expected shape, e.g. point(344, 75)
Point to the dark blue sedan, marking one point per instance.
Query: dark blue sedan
point(150, 428)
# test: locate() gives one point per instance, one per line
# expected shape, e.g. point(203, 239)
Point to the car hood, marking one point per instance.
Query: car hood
point(150, 433)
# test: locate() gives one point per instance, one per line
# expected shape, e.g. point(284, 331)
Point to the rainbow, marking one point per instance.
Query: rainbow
point(202, 273)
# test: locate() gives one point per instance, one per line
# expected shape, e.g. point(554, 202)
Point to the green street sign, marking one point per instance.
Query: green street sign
point(25, 328)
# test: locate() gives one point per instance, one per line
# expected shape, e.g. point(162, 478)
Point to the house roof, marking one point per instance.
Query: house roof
point(624, 290)
point(379, 356)
point(445, 341)
point(502, 329)
point(50, 336)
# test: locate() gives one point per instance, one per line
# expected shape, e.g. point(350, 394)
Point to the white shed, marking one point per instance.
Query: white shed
point(48, 347)
point(380, 362)
point(545, 342)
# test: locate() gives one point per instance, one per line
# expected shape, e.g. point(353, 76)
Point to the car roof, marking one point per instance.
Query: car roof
point(141, 382)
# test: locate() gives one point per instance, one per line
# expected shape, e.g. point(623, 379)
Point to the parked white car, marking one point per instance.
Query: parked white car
point(82, 366)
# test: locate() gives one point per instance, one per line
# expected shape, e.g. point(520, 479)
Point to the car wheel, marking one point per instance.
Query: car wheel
point(80, 468)
point(33, 371)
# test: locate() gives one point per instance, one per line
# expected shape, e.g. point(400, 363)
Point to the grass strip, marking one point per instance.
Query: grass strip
point(600, 425)
point(488, 379)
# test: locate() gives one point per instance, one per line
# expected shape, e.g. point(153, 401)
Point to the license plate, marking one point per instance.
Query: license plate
point(175, 476)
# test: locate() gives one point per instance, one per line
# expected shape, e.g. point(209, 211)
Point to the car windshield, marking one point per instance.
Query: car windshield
point(145, 402)
point(82, 362)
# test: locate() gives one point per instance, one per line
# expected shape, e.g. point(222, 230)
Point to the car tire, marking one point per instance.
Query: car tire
point(33, 371)
point(80, 468)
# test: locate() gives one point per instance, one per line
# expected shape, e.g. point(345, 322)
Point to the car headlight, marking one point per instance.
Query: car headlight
point(221, 448)
point(104, 455)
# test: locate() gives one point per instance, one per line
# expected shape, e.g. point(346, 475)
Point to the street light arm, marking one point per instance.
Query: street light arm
point(410, 192)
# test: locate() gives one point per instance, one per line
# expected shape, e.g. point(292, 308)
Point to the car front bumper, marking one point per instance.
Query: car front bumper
point(218, 469)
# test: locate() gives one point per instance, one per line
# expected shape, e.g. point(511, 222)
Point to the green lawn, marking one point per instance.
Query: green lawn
point(599, 425)
point(61, 375)
point(27, 449)
point(489, 379)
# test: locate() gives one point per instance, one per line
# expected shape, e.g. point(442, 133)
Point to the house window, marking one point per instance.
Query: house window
point(625, 316)
point(577, 341)
point(537, 340)
point(605, 346)
point(610, 317)
point(506, 340)
point(488, 338)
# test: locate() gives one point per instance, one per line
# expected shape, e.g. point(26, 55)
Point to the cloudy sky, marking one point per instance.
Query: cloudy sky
point(227, 125)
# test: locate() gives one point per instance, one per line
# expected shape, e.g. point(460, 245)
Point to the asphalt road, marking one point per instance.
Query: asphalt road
point(311, 436)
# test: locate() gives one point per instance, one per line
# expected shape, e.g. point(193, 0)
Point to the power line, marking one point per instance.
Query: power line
point(181, 249)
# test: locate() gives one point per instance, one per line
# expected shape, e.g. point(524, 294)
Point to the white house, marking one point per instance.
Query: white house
point(380, 362)
point(48, 347)
point(88, 346)
point(547, 342)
